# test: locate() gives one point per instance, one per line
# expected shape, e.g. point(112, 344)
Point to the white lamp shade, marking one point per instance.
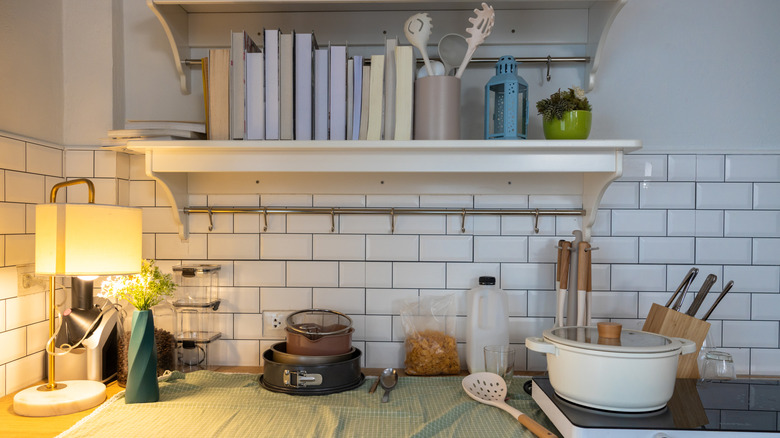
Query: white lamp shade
point(87, 239)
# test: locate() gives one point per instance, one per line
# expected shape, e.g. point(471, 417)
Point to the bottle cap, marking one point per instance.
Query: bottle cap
point(487, 280)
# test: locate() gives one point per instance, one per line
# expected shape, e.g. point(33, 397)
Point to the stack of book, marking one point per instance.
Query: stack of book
point(154, 130)
point(290, 88)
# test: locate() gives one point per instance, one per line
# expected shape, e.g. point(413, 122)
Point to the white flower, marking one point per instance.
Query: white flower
point(579, 93)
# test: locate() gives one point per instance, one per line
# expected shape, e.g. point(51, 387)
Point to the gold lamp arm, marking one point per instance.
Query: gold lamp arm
point(90, 187)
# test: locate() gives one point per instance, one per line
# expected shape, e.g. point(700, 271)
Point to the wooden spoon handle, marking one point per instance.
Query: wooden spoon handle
point(536, 428)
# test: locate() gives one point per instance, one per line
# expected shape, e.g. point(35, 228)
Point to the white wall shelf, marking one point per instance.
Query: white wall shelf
point(580, 26)
point(563, 167)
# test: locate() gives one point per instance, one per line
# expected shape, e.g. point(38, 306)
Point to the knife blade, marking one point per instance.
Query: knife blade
point(699, 298)
point(718, 300)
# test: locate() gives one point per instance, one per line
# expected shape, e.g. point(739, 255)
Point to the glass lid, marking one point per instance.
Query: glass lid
point(630, 341)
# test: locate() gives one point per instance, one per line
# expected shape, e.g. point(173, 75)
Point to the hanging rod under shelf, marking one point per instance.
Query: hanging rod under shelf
point(546, 59)
point(333, 211)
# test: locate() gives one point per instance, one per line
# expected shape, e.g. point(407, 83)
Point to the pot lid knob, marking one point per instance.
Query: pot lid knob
point(609, 330)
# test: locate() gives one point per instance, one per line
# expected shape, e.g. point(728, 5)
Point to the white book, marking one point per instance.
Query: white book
point(357, 97)
point(304, 84)
point(389, 126)
point(376, 103)
point(404, 92)
point(350, 95)
point(286, 85)
point(236, 85)
point(272, 103)
point(338, 93)
point(365, 103)
point(255, 97)
point(166, 124)
point(321, 94)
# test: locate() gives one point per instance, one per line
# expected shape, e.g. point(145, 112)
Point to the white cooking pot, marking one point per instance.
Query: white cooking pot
point(633, 371)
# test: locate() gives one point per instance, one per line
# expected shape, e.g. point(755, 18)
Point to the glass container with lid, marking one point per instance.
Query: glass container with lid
point(627, 341)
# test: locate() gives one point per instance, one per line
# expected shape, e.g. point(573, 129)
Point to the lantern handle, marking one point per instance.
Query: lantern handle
point(549, 62)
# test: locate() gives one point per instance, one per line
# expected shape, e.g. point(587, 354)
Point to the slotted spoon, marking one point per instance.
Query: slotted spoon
point(490, 389)
point(418, 29)
point(481, 27)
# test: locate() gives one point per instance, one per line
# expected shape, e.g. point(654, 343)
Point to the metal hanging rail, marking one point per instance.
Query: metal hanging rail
point(392, 212)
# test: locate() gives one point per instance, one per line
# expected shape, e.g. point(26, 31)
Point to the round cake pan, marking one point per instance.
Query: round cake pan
point(281, 355)
point(311, 379)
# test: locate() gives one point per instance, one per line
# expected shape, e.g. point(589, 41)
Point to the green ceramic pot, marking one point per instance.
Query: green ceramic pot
point(142, 386)
point(575, 125)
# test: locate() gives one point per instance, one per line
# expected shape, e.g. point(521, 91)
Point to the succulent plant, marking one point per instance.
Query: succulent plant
point(562, 101)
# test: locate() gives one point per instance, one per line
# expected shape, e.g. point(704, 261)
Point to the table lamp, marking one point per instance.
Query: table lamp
point(78, 240)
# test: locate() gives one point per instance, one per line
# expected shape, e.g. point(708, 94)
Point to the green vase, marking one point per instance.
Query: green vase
point(142, 386)
point(575, 125)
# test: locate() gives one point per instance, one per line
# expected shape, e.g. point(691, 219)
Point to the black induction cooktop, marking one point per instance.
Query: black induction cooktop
point(744, 407)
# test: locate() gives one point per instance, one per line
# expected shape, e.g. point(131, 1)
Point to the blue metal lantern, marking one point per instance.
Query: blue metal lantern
point(506, 103)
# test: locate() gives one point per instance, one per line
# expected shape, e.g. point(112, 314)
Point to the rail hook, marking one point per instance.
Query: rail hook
point(332, 220)
point(211, 219)
point(265, 218)
point(536, 221)
point(549, 62)
point(463, 221)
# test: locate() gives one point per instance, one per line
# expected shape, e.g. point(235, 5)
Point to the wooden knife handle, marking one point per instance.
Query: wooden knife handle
point(560, 251)
point(564, 265)
point(536, 428)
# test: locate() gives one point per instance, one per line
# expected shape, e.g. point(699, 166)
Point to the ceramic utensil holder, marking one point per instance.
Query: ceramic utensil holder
point(667, 322)
point(437, 108)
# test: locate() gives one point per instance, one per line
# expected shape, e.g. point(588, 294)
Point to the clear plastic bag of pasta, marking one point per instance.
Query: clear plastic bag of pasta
point(429, 326)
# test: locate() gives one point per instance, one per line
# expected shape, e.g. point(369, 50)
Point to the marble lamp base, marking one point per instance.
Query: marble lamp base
point(74, 396)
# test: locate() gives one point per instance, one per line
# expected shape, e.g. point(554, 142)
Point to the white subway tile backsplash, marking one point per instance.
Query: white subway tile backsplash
point(726, 251)
point(44, 160)
point(24, 372)
point(600, 277)
point(311, 274)
point(364, 224)
point(339, 201)
point(169, 246)
point(233, 246)
point(672, 195)
point(276, 298)
point(235, 352)
point(710, 167)
point(676, 273)
point(554, 201)
point(753, 278)
point(344, 300)
point(79, 164)
point(766, 196)
point(29, 188)
point(419, 275)
point(466, 275)
point(764, 362)
point(644, 168)
point(682, 168)
point(638, 222)
point(541, 303)
point(753, 168)
point(384, 354)
point(519, 225)
point(420, 224)
point(25, 310)
point(286, 246)
point(106, 164)
point(540, 250)
point(615, 249)
point(614, 304)
point(759, 223)
point(446, 248)
point(734, 305)
point(309, 223)
point(388, 301)
point(286, 200)
point(14, 344)
point(446, 201)
point(638, 277)
point(360, 274)
point(158, 220)
point(528, 276)
point(501, 248)
point(12, 218)
point(761, 334)
point(621, 195)
point(12, 154)
point(142, 193)
point(220, 223)
point(2, 315)
point(392, 201)
point(700, 223)
point(521, 328)
point(766, 251)
point(239, 299)
point(500, 201)
point(724, 196)
point(338, 247)
point(247, 326)
point(765, 307)
point(19, 249)
point(377, 328)
point(259, 273)
point(667, 250)
point(392, 247)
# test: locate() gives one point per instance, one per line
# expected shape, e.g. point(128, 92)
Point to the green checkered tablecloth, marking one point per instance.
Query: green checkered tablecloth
point(210, 404)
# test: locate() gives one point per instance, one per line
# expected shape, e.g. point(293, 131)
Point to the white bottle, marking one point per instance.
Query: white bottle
point(487, 321)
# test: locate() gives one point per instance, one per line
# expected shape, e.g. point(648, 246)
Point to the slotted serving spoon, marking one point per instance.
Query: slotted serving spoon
point(490, 389)
point(481, 27)
point(418, 29)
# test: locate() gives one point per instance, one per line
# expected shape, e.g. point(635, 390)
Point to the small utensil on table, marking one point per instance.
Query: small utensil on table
point(418, 30)
point(490, 389)
point(481, 27)
point(452, 50)
point(388, 379)
point(684, 285)
point(699, 298)
point(718, 300)
point(373, 387)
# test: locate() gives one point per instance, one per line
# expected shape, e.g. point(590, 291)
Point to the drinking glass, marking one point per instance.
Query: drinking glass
point(500, 359)
point(718, 365)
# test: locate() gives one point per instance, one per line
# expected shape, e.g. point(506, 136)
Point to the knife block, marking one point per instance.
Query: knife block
point(667, 322)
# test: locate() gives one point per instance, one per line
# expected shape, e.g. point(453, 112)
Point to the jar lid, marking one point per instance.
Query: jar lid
point(630, 341)
point(192, 270)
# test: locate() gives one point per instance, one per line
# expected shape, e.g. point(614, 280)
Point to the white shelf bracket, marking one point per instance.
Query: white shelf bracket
point(593, 187)
point(600, 18)
point(175, 23)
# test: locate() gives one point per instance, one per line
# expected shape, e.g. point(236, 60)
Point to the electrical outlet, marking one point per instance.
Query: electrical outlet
point(274, 323)
point(27, 282)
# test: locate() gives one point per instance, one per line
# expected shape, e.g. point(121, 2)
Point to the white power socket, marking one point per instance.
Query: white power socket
point(29, 283)
point(274, 322)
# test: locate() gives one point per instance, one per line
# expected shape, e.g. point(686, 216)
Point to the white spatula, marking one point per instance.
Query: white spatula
point(490, 389)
